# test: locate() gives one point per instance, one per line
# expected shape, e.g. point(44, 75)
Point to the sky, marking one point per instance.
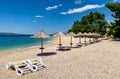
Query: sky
point(32, 16)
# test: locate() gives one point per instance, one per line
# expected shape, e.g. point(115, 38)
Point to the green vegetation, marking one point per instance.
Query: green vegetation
point(115, 26)
point(96, 22)
point(93, 22)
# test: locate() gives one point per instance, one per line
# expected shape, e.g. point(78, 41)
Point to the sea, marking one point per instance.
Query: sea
point(13, 42)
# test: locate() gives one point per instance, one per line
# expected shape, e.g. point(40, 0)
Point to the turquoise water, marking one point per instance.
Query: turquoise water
point(21, 41)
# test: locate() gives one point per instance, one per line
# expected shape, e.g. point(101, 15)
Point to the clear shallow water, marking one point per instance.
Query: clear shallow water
point(16, 42)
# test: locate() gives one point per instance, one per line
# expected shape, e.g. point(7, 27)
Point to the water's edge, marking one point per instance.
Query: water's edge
point(9, 43)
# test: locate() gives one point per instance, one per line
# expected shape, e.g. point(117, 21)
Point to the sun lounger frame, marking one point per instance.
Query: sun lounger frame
point(28, 66)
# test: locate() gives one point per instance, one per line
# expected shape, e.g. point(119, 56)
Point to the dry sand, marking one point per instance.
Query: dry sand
point(96, 61)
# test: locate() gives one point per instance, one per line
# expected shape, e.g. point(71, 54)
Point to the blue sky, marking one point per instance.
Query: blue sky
point(32, 16)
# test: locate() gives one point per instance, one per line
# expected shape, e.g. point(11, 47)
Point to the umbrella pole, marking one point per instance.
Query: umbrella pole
point(60, 42)
point(90, 39)
point(85, 40)
point(79, 39)
point(41, 45)
point(71, 41)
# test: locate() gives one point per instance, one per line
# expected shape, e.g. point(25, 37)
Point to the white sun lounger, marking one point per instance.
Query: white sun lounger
point(23, 66)
point(19, 66)
point(36, 64)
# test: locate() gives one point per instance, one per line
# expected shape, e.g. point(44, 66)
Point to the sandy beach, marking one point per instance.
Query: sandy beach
point(96, 61)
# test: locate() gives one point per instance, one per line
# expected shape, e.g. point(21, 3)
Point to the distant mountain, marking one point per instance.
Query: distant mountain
point(4, 33)
point(53, 34)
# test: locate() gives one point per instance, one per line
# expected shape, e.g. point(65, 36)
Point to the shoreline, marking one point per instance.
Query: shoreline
point(10, 43)
point(25, 48)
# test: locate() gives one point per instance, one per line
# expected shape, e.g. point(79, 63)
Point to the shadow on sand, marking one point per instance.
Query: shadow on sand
point(46, 54)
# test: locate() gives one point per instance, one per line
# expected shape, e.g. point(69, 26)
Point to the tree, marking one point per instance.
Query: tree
point(93, 22)
point(115, 27)
point(76, 27)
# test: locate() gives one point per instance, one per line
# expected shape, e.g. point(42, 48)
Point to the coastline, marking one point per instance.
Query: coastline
point(25, 47)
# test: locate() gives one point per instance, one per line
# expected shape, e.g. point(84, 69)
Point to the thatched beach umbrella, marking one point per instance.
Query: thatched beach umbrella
point(71, 34)
point(85, 35)
point(90, 35)
point(41, 35)
point(93, 36)
point(97, 35)
point(59, 34)
point(80, 35)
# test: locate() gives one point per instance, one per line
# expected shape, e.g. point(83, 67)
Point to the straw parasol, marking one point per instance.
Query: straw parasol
point(85, 35)
point(90, 35)
point(41, 35)
point(71, 34)
point(59, 34)
point(96, 35)
point(80, 35)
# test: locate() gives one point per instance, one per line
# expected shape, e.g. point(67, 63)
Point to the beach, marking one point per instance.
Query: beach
point(96, 61)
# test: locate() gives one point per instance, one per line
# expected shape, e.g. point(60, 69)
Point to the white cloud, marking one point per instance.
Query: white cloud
point(60, 5)
point(33, 21)
point(38, 16)
point(82, 9)
point(53, 7)
point(115, 0)
point(78, 1)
